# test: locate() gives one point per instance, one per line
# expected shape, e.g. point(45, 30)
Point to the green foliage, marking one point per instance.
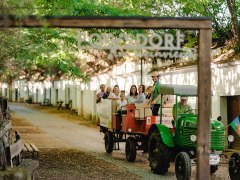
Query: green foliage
point(39, 51)
point(216, 10)
point(236, 47)
point(52, 53)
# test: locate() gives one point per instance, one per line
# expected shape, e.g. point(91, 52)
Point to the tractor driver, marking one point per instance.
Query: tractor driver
point(183, 107)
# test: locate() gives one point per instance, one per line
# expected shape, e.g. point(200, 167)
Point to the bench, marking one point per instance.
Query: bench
point(18, 146)
point(74, 111)
point(16, 150)
point(68, 105)
point(59, 105)
point(46, 102)
point(32, 149)
point(29, 100)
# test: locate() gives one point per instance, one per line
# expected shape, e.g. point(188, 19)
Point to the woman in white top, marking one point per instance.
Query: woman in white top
point(115, 94)
point(141, 96)
point(132, 97)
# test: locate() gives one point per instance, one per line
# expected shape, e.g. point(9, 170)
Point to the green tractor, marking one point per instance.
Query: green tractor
point(178, 143)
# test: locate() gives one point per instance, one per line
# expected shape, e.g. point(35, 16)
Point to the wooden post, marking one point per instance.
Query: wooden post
point(141, 69)
point(204, 104)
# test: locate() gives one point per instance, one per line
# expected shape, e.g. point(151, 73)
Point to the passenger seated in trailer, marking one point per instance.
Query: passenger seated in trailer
point(148, 92)
point(141, 94)
point(183, 107)
point(107, 93)
point(100, 93)
point(132, 97)
point(121, 104)
point(115, 94)
point(142, 107)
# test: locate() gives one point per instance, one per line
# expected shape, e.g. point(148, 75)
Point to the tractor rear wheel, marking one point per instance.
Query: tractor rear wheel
point(234, 166)
point(159, 154)
point(130, 149)
point(183, 166)
point(108, 139)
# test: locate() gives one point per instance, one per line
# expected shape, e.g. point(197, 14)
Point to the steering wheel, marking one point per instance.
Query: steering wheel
point(191, 111)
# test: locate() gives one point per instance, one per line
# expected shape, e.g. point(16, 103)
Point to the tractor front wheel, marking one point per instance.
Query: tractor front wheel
point(234, 166)
point(108, 138)
point(183, 166)
point(130, 149)
point(159, 154)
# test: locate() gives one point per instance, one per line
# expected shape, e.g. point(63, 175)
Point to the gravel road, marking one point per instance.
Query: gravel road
point(69, 134)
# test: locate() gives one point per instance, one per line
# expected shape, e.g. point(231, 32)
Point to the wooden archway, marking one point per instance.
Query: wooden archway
point(203, 25)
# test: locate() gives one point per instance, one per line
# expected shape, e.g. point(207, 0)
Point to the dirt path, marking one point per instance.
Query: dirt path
point(71, 134)
point(51, 131)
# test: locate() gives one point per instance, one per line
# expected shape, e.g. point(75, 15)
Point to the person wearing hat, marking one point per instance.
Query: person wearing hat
point(182, 108)
point(155, 100)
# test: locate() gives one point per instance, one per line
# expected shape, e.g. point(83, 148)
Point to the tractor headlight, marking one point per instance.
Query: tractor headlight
point(230, 138)
point(193, 138)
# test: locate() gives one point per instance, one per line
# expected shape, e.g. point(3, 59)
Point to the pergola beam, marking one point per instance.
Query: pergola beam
point(105, 22)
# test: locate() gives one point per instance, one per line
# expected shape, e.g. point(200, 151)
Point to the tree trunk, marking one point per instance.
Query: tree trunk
point(10, 91)
point(1, 93)
point(235, 25)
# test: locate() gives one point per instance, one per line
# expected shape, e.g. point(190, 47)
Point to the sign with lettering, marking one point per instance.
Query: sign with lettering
point(152, 45)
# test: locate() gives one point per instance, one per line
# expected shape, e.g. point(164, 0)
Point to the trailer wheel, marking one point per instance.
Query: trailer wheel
point(213, 169)
point(108, 138)
point(130, 149)
point(183, 166)
point(234, 166)
point(159, 154)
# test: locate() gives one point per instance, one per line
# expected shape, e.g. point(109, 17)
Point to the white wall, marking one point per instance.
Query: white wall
point(225, 82)
point(226, 79)
point(89, 104)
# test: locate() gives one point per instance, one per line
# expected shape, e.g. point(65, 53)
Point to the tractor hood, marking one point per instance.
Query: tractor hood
point(215, 124)
point(191, 121)
point(187, 126)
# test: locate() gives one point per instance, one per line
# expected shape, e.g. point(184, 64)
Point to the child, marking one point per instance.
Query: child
point(121, 104)
point(148, 94)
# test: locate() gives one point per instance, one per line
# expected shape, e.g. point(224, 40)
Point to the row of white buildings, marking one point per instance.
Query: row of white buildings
point(225, 80)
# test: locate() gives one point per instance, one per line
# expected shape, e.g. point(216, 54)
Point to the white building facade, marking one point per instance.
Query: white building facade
point(225, 80)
